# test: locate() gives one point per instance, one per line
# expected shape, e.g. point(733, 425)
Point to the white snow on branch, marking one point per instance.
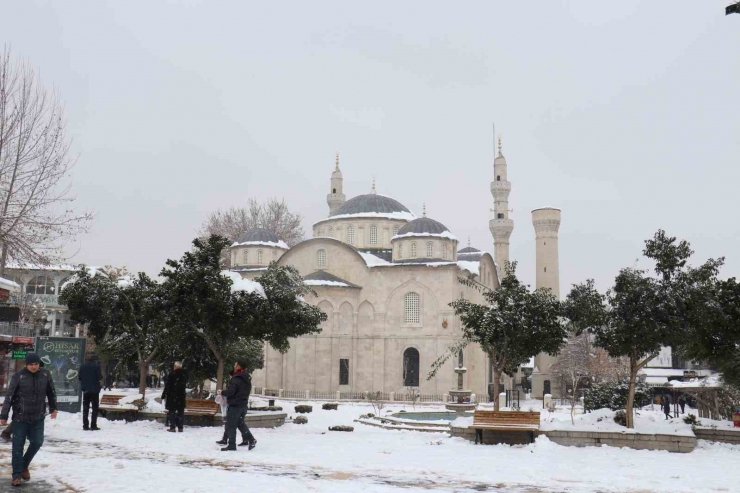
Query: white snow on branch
point(238, 283)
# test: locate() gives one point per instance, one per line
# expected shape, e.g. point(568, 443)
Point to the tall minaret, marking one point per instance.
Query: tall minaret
point(501, 226)
point(546, 221)
point(336, 197)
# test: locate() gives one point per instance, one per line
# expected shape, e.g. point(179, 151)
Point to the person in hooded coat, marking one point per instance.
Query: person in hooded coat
point(90, 376)
point(237, 398)
point(174, 397)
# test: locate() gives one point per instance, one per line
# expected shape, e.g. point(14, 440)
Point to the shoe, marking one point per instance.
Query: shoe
point(86, 428)
point(171, 430)
point(227, 449)
point(179, 430)
point(16, 481)
point(252, 444)
point(223, 442)
point(95, 428)
point(26, 475)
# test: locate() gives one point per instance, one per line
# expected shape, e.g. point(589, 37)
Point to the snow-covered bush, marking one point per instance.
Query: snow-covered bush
point(341, 428)
point(300, 420)
point(303, 408)
point(620, 417)
point(613, 395)
point(330, 406)
point(691, 420)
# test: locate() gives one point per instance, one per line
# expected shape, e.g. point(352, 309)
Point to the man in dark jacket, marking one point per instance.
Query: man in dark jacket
point(108, 381)
point(90, 376)
point(237, 397)
point(174, 397)
point(27, 394)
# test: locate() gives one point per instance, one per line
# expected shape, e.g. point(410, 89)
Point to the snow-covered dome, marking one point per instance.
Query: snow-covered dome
point(425, 226)
point(371, 203)
point(260, 236)
point(469, 253)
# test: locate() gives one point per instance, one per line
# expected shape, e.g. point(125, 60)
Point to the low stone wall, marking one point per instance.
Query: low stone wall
point(671, 443)
point(718, 435)
point(252, 419)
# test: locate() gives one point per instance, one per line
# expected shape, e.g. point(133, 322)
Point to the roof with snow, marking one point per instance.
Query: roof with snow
point(469, 249)
point(371, 203)
point(423, 225)
point(260, 236)
point(323, 278)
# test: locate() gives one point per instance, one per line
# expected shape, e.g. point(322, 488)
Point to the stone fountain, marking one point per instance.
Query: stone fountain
point(458, 397)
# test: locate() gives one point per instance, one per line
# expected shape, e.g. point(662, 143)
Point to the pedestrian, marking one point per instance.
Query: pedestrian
point(90, 376)
point(682, 402)
point(109, 381)
point(237, 398)
point(27, 394)
point(666, 405)
point(174, 397)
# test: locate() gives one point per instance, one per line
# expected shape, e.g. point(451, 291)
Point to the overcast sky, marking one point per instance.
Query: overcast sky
point(625, 114)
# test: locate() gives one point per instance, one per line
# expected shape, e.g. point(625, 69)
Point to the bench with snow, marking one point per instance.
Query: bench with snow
point(201, 407)
point(505, 421)
point(109, 401)
point(110, 409)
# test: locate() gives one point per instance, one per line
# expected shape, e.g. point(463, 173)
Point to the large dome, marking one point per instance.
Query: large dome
point(260, 236)
point(424, 226)
point(369, 204)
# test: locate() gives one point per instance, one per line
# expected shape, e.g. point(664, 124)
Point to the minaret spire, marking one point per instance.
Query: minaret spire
point(372, 190)
point(425, 209)
point(500, 225)
point(335, 198)
point(336, 160)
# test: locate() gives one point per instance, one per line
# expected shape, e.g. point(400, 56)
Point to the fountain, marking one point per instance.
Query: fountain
point(458, 397)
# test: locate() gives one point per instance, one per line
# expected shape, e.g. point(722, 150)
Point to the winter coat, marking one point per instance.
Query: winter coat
point(237, 393)
point(109, 380)
point(174, 390)
point(90, 377)
point(666, 406)
point(27, 394)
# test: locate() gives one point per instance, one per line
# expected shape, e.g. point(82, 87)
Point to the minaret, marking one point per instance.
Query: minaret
point(546, 221)
point(501, 226)
point(336, 197)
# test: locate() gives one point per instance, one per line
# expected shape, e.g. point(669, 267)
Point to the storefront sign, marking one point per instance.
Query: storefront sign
point(688, 375)
point(19, 353)
point(4, 295)
point(63, 356)
point(24, 340)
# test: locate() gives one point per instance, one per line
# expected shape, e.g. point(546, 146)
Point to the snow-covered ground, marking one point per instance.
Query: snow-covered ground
point(296, 458)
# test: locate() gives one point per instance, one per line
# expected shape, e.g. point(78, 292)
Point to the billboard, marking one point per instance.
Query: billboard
point(62, 357)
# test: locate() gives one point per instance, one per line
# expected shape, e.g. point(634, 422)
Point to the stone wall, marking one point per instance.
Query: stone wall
point(726, 436)
point(671, 443)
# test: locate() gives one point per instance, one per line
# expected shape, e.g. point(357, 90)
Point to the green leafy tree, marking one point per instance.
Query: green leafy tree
point(514, 325)
point(205, 303)
point(125, 316)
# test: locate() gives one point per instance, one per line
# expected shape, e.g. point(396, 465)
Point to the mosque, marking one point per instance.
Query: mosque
point(385, 279)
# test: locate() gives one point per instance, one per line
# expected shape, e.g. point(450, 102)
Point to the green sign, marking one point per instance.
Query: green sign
point(62, 357)
point(19, 353)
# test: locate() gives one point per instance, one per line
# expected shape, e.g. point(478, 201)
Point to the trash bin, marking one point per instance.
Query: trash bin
point(736, 418)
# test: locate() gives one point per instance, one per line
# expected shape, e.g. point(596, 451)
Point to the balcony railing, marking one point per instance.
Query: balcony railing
point(22, 329)
point(27, 299)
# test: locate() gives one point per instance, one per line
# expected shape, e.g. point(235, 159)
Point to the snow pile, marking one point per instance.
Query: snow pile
point(318, 282)
point(372, 261)
point(646, 421)
point(470, 266)
point(9, 285)
point(238, 283)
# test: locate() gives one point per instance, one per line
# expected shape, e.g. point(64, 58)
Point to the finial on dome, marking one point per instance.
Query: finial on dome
point(425, 209)
point(499, 144)
point(468, 241)
point(373, 189)
point(336, 160)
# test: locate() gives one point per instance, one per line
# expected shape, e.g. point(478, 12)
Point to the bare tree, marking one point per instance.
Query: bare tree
point(272, 215)
point(572, 367)
point(605, 368)
point(35, 165)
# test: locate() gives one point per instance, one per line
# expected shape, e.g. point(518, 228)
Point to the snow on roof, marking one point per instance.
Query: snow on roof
point(406, 216)
point(279, 244)
point(372, 260)
point(241, 284)
point(713, 381)
point(316, 282)
point(9, 285)
point(445, 234)
point(670, 372)
point(30, 266)
point(470, 266)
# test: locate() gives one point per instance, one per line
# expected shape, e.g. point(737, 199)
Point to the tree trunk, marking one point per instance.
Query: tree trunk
point(496, 379)
point(143, 372)
point(3, 259)
point(631, 395)
point(220, 374)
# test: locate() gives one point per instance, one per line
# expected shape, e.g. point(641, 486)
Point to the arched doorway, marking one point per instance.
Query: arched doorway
point(411, 367)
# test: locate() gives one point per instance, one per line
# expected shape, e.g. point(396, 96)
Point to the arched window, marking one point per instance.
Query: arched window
point(400, 250)
point(500, 215)
point(321, 258)
point(41, 285)
point(351, 235)
point(430, 249)
point(546, 389)
point(444, 251)
point(413, 250)
point(246, 257)
point(411, 367)
point(395, 230)
point(412, 305)
point(498, 177)
point(321, 232)
point(331, 232)
point(259, 257)
point(373, 235)
point(333, 190)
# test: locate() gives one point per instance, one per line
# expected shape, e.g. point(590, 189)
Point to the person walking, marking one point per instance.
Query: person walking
point(174, 397)
point(682, 402)
point(237, 398)
point(666, 405)
point(27, 394)
point(90, 376)
point(108, 381)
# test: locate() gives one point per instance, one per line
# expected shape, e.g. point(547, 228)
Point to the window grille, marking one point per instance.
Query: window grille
point(430, 249)
point(321, 258)
point(259, 257)
point(351, 235)
point(246, 257)
point(400, 250)
point(413, 250)
point(395, 230)
point(373, 235)
point(444, 251)
point(413, 308)
point(331, 232)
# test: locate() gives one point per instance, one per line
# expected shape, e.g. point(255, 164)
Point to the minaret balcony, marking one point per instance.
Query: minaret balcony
point(500, 188)
point(501, 228)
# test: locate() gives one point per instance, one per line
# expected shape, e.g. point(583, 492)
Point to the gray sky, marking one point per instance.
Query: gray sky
point(625, 114)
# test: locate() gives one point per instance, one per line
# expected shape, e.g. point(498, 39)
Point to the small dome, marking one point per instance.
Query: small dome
point(371, 203)
point(424, 226)
point(469, 250)
point(259, 235)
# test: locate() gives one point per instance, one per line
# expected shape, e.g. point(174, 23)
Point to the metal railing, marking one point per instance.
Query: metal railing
point(23, 329)
point(352, 395)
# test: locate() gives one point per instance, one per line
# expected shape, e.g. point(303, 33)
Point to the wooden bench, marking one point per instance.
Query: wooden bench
point(201, 407)
point(109, 401)
point(505, 421)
